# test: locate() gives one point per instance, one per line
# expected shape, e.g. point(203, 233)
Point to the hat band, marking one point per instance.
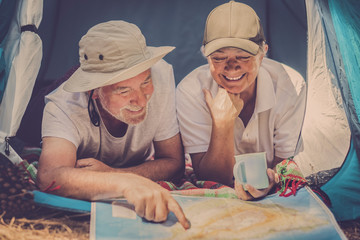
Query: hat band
point(108, 65)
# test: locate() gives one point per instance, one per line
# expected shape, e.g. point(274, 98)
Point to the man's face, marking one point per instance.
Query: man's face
point(127, 101)
point(234, 69)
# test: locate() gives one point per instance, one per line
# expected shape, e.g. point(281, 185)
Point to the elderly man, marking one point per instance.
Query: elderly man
point(240, 102)
point(112, 125)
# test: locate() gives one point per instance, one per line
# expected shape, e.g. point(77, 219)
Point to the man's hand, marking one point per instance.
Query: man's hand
point(225, 106)
point(93, 165)
point(151, 201)
point(93, 180)
point(254, 193)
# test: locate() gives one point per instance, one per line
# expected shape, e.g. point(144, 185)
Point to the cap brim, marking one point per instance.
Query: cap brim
point(244, 44)
point(82, 81)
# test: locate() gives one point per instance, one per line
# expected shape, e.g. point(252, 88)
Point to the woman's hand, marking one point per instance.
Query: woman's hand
point(253, 193)
point(225, 106)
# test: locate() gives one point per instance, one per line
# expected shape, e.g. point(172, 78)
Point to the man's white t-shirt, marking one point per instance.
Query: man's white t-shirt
point(275, 125)
point(66, 116)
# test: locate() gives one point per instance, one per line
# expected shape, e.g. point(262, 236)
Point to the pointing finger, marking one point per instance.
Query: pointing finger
point(176, 209)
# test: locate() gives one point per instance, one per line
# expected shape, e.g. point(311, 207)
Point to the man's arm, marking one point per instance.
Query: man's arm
point(57, 168)
point(169, 162)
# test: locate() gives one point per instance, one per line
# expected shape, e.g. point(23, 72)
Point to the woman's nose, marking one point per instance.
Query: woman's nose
point(232, 64)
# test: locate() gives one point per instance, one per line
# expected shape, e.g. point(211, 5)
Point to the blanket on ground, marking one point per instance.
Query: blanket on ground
point(291, 178)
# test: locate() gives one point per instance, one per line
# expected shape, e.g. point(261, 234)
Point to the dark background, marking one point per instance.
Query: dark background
point(178, 23)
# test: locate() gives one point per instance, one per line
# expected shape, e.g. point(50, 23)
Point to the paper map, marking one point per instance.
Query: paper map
point(301, 217)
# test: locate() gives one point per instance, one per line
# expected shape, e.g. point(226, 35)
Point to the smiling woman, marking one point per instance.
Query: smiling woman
point(235, 69)
point(250, 103)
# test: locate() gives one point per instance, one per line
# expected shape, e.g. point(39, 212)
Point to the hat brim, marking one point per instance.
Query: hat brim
point(244, 44)
point(82, 81)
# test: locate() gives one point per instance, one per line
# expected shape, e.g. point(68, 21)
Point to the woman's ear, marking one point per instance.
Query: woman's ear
point(266, 48)
point(264, 51)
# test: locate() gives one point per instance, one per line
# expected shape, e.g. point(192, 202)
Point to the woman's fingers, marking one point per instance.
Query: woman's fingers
point(241, 193)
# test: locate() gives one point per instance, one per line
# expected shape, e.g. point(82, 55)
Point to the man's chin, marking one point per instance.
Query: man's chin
point(135, 120)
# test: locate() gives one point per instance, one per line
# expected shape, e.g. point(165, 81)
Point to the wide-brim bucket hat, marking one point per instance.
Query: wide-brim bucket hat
point(112, 52)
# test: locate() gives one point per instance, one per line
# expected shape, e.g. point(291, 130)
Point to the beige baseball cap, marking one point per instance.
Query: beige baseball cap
point(233, 24)
point(112, 52)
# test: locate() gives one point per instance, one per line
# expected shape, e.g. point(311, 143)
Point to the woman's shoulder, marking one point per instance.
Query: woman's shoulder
point(196, 80)
point(283, 76)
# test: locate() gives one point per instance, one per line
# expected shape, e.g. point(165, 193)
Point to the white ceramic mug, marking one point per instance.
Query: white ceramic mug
point(251, 169)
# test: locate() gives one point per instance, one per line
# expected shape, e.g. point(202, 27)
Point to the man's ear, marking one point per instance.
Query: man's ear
point(95, 94)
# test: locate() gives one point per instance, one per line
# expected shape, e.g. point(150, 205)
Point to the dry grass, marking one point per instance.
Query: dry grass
point(50, 226)
point(351, 229)
point(56, 225)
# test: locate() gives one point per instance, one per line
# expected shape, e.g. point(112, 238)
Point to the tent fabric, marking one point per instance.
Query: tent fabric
point(30, 127)
point(331, 120)
point(22, 58)
point(346, 18)
point(325, 132)
point(7, 9)
point(343, 189)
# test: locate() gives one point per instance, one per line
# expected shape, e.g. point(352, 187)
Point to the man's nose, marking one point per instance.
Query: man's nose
point(139, 98)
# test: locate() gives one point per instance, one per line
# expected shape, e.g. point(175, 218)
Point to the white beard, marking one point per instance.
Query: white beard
point(120, 114)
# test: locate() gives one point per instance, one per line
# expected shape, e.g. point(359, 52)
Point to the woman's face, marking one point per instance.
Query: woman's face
point(234, 69)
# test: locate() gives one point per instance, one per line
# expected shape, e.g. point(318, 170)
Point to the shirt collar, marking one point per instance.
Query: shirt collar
point(265, 93)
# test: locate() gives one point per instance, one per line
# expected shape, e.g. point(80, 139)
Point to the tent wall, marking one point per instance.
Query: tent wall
point(7, 10)
point(343, 189)
point(326, 132)
point(329, 158)
point(346, 20)
point(177, 23)
point(22, 55)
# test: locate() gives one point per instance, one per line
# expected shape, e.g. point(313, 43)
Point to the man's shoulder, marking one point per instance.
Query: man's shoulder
point(160, 65)
point(66, 100)
point(162, 75)
point(161, 70)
